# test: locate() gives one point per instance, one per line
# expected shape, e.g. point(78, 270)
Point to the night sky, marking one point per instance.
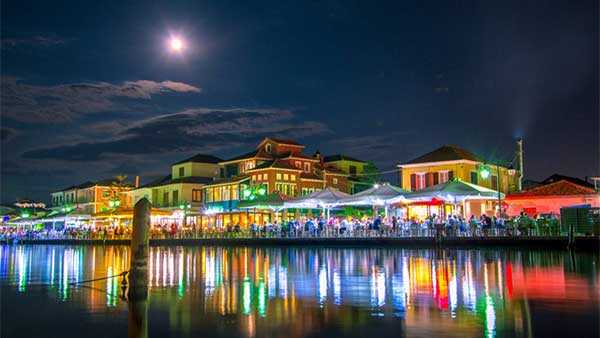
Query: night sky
point(90, 89)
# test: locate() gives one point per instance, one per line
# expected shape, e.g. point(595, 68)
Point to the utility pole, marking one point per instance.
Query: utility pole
point(520, 156)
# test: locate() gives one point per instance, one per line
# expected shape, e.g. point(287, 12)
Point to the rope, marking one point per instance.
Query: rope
point(102, 278)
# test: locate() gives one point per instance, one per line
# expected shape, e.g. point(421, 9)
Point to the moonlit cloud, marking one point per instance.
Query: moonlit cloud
point(193, 130)
point(47, 104)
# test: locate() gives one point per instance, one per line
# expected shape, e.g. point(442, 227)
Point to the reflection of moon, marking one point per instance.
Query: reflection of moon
point(176, 44)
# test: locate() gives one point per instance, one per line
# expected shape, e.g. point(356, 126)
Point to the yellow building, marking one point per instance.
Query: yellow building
point(355, 169)
point(447, 162)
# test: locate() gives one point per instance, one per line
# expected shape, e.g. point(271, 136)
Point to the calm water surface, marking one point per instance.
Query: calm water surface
point(303, 292)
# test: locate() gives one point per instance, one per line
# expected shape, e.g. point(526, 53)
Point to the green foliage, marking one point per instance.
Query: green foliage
point(372, 173)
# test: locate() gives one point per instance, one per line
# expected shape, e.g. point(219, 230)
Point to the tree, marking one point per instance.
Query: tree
point(118, 186)
point(372, 173)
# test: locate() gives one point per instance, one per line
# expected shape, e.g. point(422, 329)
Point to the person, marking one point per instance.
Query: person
point(487, 225)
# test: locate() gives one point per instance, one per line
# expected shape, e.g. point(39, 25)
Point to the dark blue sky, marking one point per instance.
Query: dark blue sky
point(89, 89)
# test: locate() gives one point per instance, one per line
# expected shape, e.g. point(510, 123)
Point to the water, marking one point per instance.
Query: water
point(303, 292)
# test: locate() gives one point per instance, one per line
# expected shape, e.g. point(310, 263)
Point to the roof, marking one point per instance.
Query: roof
point(229, 180)
point(282, 141)
point(201, 158)
point(445, 153)
point(166, 180)
point(290, 155)
point(575, 180)
point(340, 157)
point(560, 188)
point(252, 154)
point(276, 164)
point(156, 182)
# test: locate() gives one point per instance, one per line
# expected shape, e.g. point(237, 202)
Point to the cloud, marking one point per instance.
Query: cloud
point(33, 40)
point(7, 134)
point(193, 130)
point(60, 103)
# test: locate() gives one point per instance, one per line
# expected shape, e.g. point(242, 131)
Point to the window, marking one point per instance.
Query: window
point(292, 177)
point(166, 198)
point(474, 177)
point(196, 195)
point(181, 171)
point(442, 176)
point(352, 169)
point(420, 181)
point(307, 167)
point(298, 164)
point(286, 177)
point(335, 181)
point(253, 178)
point(265, 177)
point(494, 182)
point(175, 197)
point(278, 176)
point(268, 147)
point(105, 194)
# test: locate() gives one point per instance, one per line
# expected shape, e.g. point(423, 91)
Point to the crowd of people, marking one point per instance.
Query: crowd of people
point(379, 226)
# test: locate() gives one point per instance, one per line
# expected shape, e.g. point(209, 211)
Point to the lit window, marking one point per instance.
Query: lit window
point(253, 177)
point(268, 147)
point(335, 181)
point(420, 181)
point(285, 177)
point(443, 176)
point(293, 177)
point(307, 167)
point(278, 176)
point(298, 164)
point(265, 177)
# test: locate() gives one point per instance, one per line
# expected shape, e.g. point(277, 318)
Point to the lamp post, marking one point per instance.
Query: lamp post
point(66, 209)
point(113, 204)
point(185, 206)
point(484, 171)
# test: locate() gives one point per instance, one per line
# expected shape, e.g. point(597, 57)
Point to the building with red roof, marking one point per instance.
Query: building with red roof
point(549, 198)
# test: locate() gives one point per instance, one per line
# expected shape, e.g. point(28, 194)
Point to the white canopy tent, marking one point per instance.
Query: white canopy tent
point(327, 199)
point(379, 195)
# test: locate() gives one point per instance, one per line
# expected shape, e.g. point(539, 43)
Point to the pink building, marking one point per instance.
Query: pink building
point(551, 197)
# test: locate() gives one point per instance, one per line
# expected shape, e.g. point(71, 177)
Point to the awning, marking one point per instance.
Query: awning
point(453, 191)
point(379, 194)
point(128, 213)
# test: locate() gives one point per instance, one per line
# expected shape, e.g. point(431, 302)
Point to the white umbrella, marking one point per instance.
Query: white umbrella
point(327, 198)
point(379, 195)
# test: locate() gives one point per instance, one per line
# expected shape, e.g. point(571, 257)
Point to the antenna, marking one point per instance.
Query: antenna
point(520, 158)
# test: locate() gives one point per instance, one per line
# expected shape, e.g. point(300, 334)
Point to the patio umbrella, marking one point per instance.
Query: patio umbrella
point(327, 198)
point(379, 195)
point(453, 191)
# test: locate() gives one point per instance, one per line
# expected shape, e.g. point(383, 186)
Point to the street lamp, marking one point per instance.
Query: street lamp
point(114, 203)
point(185, 206)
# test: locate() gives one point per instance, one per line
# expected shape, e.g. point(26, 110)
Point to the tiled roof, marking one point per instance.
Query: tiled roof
point(560, 188)
point(289, 154)
point(255, 153)
point(229, 180)
point(558, 177)
point(445, 153)
point(340, 157)
point(310, 176)
point(157, 182)
point(277, 164)
point(201, 158)
point(284, 141)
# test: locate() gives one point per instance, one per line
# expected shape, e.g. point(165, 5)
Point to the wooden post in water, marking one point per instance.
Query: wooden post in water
point(138, 271)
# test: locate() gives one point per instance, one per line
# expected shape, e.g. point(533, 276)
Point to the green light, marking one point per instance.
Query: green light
point(118, 202)
point(25, 215)
point(484, 172)
point(189, 206)
point(262, 191)
point(247, 192)
point(111, 203)
point(181, 206)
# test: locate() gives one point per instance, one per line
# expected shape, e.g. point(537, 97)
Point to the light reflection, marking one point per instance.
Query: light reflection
point(278, 283)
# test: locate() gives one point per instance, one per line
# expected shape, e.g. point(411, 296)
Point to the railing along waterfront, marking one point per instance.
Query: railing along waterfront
point(414, 230)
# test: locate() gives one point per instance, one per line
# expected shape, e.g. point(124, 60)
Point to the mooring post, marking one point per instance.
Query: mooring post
point(138, 271)
point(571, 244)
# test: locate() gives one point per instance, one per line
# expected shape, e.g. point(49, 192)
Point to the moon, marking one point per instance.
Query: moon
point(176, 44)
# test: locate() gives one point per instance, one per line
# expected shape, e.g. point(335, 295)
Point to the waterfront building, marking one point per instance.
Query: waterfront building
point(447, 162)
point(91, 197)
point(354, 168)
point(275, 166)
point(551, 197)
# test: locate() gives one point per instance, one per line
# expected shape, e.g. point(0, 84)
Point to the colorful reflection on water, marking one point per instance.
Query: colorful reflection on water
point(295, 292)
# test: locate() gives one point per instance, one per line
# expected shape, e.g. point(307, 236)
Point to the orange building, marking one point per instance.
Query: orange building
point(275, 166)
